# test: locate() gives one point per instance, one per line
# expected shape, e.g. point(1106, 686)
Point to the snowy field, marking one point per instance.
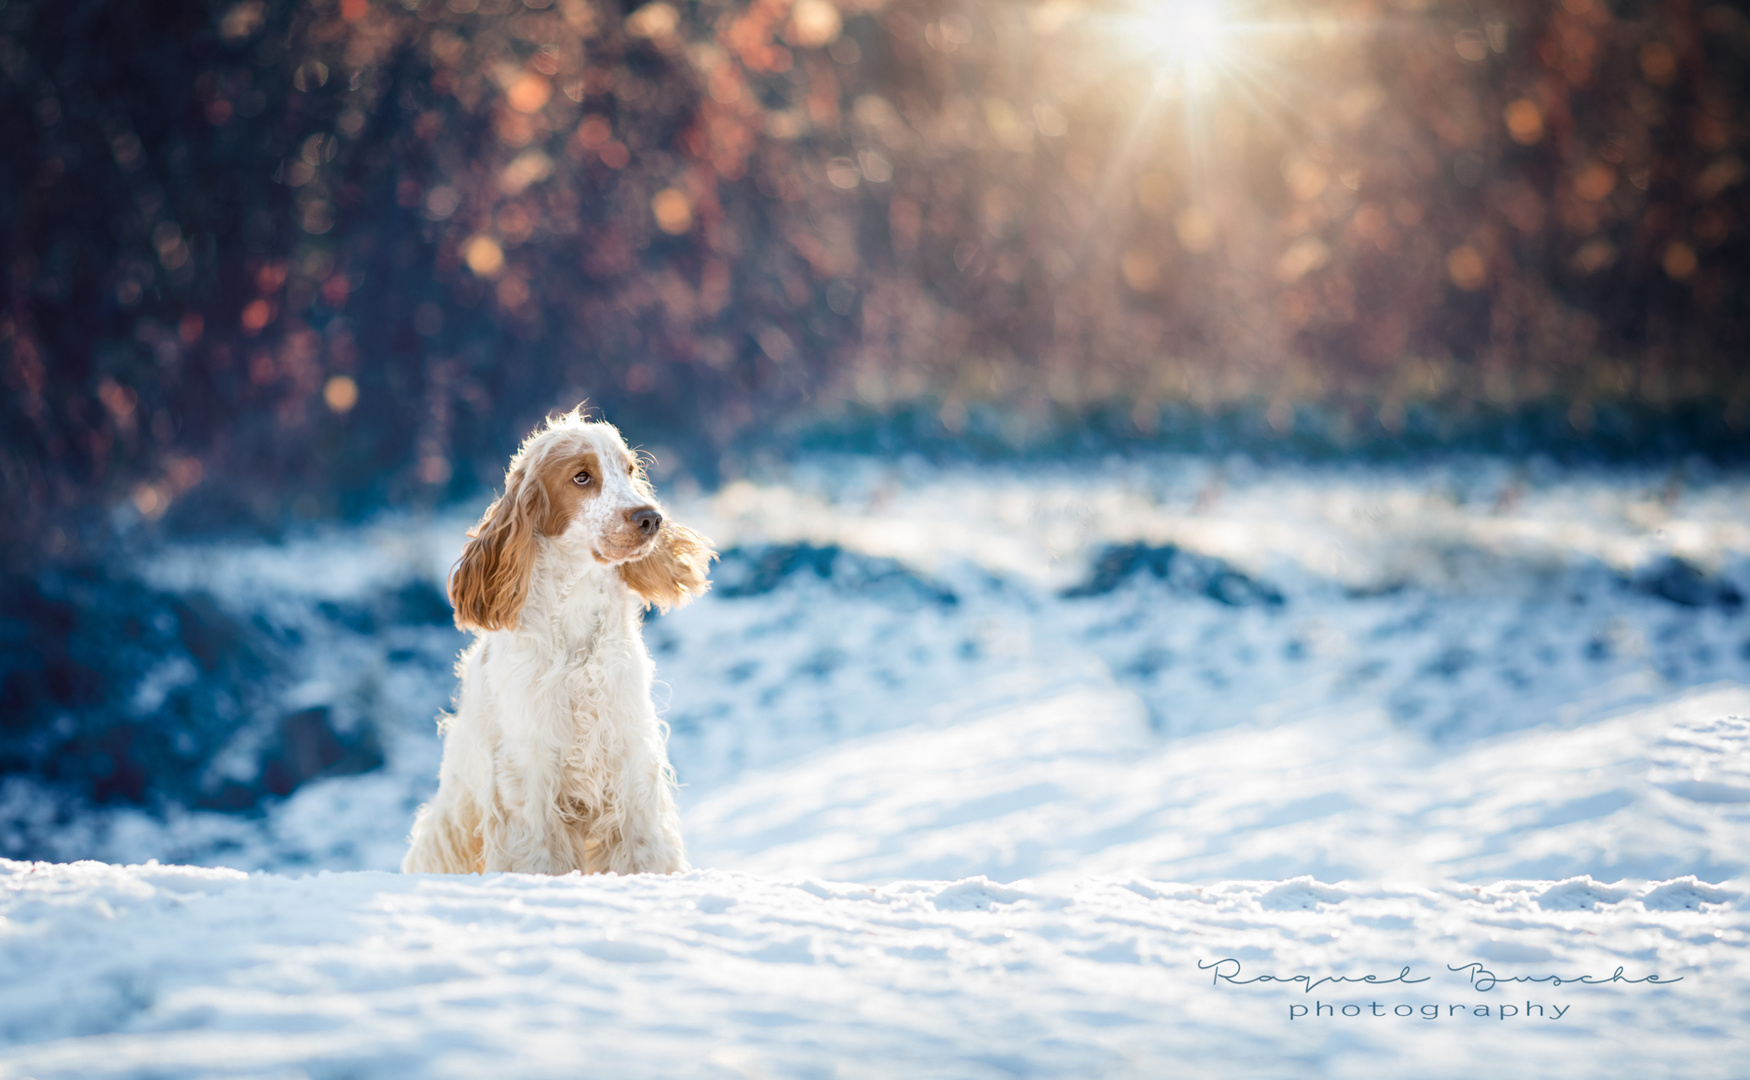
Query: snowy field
point(979, 764)
point(182, 972)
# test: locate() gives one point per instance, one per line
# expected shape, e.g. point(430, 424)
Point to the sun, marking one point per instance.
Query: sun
point(1192, 30)
point(1193, 35)
point(1206, 61)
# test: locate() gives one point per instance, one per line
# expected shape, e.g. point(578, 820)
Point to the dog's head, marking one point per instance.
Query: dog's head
point(576, 483)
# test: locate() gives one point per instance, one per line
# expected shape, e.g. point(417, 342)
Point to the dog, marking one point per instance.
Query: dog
point(554, 758)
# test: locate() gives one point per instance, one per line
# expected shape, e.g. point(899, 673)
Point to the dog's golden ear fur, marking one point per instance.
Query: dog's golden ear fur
point(491, 580)
point(675, 572)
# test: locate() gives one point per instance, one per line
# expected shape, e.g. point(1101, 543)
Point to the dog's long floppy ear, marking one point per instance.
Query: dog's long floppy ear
point(675, 572)
point(491, 580)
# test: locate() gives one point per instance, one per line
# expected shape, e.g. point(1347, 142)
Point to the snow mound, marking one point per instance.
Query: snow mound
point(1301, 894)
point(1068, 782)
point(147, 971)
point(975, 894)
point(1581, 894)
point(1685, 894)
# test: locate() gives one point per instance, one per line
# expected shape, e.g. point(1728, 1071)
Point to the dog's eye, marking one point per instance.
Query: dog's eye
point(582, 478)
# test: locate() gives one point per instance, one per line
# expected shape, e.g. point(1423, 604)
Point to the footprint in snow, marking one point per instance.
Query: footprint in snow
point(624, 952)
point(795, 951)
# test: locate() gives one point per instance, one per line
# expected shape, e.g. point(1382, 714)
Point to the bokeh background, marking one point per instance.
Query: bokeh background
point(275, 266)
point(271, 259)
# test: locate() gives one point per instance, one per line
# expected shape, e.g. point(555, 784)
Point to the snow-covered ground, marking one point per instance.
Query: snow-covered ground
point(1364, 716)
point(1332, 641)
point(1074, 785)
point(172, 971)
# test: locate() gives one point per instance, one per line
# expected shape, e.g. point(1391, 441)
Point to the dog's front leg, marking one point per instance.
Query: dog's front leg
point(532, 844)
point(527, 833)
point(446, 837)
point(647, 836)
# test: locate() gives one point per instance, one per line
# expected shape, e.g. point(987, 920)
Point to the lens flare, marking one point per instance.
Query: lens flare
point(1191, 31)
point(1190, 38)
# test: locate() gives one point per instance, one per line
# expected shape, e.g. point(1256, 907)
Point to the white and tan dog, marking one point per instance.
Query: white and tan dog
point(555, 759)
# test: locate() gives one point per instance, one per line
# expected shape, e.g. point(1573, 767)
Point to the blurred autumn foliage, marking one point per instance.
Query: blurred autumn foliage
point(268, 260)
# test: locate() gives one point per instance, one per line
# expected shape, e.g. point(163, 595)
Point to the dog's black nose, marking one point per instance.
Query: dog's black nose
point(647, 520)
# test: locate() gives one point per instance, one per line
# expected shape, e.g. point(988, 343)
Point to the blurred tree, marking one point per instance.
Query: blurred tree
point(268, 260)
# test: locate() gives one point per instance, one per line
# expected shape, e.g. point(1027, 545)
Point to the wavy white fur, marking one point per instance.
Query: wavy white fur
point(555, 759)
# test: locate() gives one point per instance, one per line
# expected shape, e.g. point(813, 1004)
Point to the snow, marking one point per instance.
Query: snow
point(1074, 785)
point(980, 763)
point(110, 971)
point(1422, 614)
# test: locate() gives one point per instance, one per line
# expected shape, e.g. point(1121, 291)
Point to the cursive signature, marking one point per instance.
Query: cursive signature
point(1224, 973)
point(1481, 978)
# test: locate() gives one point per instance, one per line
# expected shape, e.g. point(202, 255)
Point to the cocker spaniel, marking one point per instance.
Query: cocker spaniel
point(554, 759)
